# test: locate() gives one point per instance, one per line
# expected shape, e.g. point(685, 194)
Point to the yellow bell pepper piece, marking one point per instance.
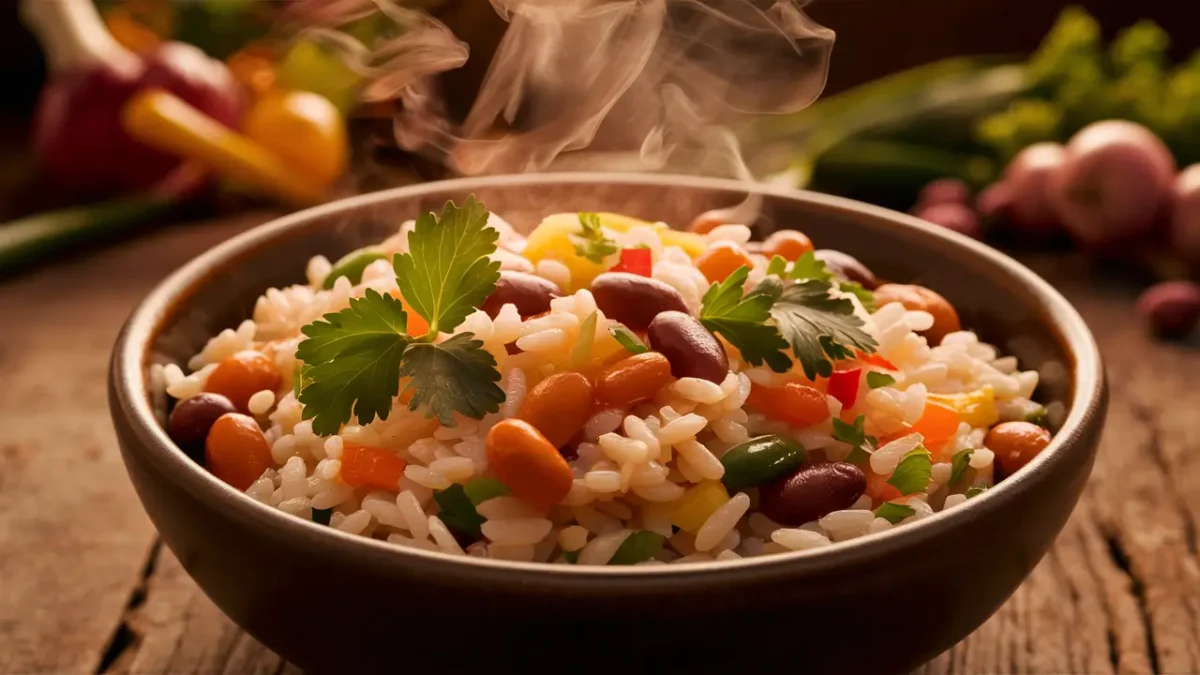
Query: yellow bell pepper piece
point(691, 243)
point(164, 121)
point(697, 504)
point(977, 408)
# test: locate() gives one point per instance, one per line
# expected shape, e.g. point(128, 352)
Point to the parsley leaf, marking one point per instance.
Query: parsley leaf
point(894, 513)
point(856, 437)
point(482, 489)
point(457, 375)
point(591, 242)
point(866, 297)
point(809, 267)
point(975, 491)
point(876, 380)
point(571, 556)
point(912, 474)
point(820, 328)
point(959, 464)
point(457, 511)
point(628, 340)
point(777, 267)
point(742, 320)
point(1039, 417)
point(639, 546)
point(350, 362)
point(447, 273)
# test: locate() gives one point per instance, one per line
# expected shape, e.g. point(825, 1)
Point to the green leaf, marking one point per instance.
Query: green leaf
point(856, 437)
point(912, 474)
point(777, 267)
point(866, 297)
point(743, 320)
point(639, 546)
point(628, 340)
point(447, 273)
point(959, 464)
point(876, 380)
point(581, 353)
point(482, 489)
point(458, 512)
point(571, 556)
point(351, 360)
point(1039, 417)
point(894, 513)
point(809, 267)
point(457, 375)
point(975, 490)
point(819, 327)
point(591, 243)
point(322, 516)
point(352, 265)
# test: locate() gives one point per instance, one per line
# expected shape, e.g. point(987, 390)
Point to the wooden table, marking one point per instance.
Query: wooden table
point(86, 587)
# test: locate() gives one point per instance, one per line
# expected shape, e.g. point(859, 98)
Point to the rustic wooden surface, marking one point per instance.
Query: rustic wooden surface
point(85, 587)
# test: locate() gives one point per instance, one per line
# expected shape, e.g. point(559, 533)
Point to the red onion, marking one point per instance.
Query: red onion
point(1185, 217)
point(1030, 207)
point(78, 137)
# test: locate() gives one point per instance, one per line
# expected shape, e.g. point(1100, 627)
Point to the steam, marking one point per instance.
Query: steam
point(624, 85)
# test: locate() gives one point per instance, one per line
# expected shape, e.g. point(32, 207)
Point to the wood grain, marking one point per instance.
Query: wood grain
point(88, 589)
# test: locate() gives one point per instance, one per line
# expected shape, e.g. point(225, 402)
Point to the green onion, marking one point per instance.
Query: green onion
point(352, 266)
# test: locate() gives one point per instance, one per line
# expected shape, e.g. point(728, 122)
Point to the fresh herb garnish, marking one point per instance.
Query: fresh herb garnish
point(743, 320)
point(571, 556)
point(866, 297)
point(352, 265)
point(856, 437)
point(639, 546)
point(808, 266)
point(959, 464)
point(876, 380)
point(628, 340)
point(777, 267)
point(894, 513)
point(353, 359)
point(458, 512)
point(912, 474)
point(1040, 417)
point(591, 243)
point(818, 327)
point(975, 491)
point(581, 353)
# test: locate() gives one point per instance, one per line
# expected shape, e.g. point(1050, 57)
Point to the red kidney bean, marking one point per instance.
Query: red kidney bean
point(812, 492)
point(687, 344)
point(634, 300)
point(531, 294)
point(192, 418)
point(847, 267)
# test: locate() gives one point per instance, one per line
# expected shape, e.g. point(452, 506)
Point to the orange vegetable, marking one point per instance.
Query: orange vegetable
point(243, 375)
point(721, 260)
point(236, 450)
point(633, 379)
point(788, 244)
point(797, 404)
point(878, 488)
point(559, 406)
point(945, 318)
point(131, 33)
point(938, 424)
point(527, 463)
point(254, 69)
point(363, 465)
point(417, 325)
point(707, 222)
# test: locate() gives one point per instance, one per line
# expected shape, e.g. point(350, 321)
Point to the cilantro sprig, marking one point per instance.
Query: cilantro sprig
point(591, 243)
point(804, 316)
point(354, 359)
point(855, 435)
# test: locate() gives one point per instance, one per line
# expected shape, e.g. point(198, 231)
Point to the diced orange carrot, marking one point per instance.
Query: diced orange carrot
point(797, 404)
point(938, 424)
point(878, 488)
point(417, 325)
point(363, 465)
point(721, 260)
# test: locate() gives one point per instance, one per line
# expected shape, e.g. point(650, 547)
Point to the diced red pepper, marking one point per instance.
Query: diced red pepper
point(844, 384)
point(635, 261)
point(363, 465)
point(876, 360)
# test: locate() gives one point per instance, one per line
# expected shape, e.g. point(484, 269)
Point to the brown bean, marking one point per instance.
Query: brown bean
point(559, 406)
point(236, 450)
point(847, 267)
point(1016, 444)
point(633, 379)
point(690, 348)
point(243, 375)
point(812, 492)
point(531, 294)
point(192, 418)
point(527, 463)
point(634, 300)
point(919, 298)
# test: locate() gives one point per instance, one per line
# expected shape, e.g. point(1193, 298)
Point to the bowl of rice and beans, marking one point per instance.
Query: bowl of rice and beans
point(587, 393)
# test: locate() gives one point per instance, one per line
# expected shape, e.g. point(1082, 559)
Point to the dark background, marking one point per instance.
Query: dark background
point(875, 37)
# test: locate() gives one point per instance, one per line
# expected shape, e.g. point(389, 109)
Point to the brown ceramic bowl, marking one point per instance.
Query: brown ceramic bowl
point(332, 602)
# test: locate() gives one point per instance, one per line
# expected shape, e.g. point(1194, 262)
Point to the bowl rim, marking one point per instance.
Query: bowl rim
point(130, 403)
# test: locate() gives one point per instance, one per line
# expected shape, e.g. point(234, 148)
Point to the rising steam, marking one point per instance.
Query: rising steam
point(633, 85)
